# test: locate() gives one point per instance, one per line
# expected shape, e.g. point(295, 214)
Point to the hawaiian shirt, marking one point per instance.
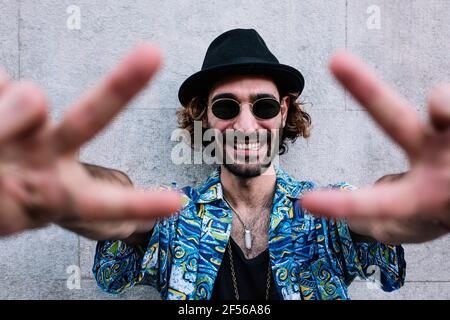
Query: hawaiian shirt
point(312, 258)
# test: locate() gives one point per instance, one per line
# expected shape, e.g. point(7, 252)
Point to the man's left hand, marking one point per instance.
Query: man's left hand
point(416, 207)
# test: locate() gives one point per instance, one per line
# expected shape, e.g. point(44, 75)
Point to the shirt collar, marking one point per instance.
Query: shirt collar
point(212, 190)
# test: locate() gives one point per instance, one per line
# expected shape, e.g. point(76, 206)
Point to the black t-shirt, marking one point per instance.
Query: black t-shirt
point(251, 277)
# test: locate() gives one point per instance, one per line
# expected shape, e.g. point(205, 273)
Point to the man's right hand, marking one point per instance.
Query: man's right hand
point(41, 180)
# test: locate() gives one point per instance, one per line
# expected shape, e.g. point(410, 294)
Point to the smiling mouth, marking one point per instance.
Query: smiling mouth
point(248, 144)
point(255, 146)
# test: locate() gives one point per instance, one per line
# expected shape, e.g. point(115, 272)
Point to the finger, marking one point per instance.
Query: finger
point(12, 220)
point(22, 109)
point(439, 107)
point(390, 111)
point(385, 200)
point(95, 110)
point(4, 81)
point(12, 217)
point(105, 202)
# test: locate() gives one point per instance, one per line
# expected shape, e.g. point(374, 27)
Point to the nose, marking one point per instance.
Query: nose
point(245, 122)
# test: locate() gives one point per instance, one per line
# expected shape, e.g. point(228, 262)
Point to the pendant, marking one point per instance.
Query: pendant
point(248, 239)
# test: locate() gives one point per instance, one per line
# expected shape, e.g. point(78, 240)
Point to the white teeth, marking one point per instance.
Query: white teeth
point(250, 146)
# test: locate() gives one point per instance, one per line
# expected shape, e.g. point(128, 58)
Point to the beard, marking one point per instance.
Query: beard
point(246, 170)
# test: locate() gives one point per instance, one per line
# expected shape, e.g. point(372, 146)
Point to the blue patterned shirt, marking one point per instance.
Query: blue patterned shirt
point(311, 257)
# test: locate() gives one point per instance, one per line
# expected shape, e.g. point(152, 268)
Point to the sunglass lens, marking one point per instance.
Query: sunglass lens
point(225, 109)
point(266, 108)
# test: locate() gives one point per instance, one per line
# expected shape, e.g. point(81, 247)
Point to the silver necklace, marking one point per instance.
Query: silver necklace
point(247, 230)
point(233, 275)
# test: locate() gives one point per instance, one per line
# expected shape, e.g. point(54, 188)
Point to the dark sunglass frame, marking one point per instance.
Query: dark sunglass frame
point(251, 108)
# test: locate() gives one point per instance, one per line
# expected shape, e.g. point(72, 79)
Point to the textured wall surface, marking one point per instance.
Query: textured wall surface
point(409, 48)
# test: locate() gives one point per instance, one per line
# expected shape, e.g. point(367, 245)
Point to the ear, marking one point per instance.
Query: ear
point(285, 101)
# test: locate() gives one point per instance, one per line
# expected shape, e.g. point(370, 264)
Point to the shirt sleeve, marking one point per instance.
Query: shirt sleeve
point(381, 263)
point(156, 264)
point(117, 265)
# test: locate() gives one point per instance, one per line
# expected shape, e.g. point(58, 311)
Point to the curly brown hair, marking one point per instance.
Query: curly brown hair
point(298, 121)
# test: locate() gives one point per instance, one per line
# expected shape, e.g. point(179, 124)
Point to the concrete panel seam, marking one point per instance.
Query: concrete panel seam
point(18, 39)
point(346, 46)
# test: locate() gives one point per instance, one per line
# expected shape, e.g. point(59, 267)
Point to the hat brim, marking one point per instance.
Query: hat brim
point(289, 78)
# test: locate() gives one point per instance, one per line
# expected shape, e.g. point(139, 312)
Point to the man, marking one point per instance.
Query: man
point(245, 217)
point(242, 234)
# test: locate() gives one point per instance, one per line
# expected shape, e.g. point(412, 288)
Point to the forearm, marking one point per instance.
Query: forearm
point(419, 229)
point(396, 231)
point(367, 230)
point(132, 232)
point(101, 230)
point(107, 174)
point(404, 230)
point(360, 231)
point(139, 238)
point(412, 230)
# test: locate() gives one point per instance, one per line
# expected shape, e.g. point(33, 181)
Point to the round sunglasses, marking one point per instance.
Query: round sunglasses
point(263, 109)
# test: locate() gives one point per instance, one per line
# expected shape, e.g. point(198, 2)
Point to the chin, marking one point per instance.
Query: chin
point(246, 170)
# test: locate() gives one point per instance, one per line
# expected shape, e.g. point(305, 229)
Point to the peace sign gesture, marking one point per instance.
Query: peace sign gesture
point(415, 207)
point(41, 180)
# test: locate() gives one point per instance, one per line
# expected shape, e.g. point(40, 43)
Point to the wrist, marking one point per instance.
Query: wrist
point(107, 174)
point(101, 230)
point(138, 239)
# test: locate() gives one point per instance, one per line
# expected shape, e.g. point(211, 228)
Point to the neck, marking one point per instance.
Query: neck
point(248, 193)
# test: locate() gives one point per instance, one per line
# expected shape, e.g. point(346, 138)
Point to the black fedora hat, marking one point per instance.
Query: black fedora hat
point(239, 51)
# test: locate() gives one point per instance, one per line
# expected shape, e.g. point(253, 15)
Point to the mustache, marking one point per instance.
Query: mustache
point(217, 141)
point(237, 136)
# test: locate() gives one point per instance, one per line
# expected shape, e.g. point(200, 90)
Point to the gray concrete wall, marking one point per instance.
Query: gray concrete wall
point(410, 49)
